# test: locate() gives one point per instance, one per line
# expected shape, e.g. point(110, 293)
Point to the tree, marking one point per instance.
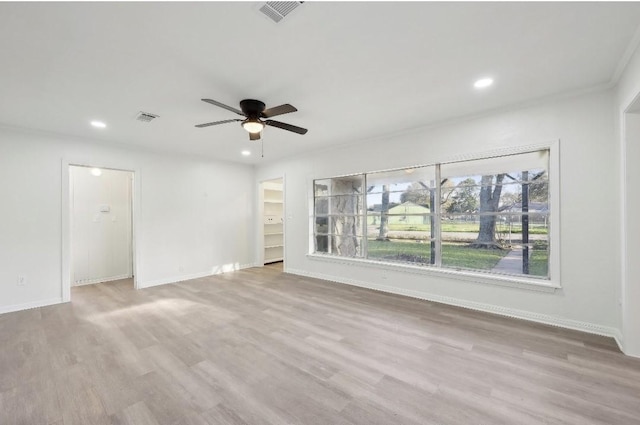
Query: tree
point(539, 188)
point(464, 198)
point(384, 218)
point(418, 193)
point(447, 190)
point(345, 226)
point(509, 199)
point(489, 202)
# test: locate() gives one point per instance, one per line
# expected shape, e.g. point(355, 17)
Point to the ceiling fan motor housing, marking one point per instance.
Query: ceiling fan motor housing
point(252, 108)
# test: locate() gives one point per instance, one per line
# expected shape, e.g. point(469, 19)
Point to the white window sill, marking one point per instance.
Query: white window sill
point(500, 280)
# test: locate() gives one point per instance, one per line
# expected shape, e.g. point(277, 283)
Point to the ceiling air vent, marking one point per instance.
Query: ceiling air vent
point(145, 117)
point(276, 10)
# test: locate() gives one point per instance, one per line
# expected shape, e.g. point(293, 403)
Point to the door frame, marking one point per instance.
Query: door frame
point(66, 218)
point(629, 341)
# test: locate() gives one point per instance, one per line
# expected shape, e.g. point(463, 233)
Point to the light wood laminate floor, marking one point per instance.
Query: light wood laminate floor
point(262, 347)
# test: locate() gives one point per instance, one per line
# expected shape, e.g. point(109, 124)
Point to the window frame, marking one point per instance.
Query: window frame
point(549, 284)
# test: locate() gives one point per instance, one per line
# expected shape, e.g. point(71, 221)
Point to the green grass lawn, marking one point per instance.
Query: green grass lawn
point(407, 251)
point(470, 227)
point(462, 256)
point(453, 255)
point(539, 263)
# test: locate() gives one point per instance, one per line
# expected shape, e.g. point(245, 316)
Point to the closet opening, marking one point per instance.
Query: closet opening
point(272, 203)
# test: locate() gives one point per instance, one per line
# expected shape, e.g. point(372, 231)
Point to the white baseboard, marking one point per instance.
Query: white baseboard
point(182, 278)
point(101, 280)
point(28, 306)
point(489, 308)
point(617, 335)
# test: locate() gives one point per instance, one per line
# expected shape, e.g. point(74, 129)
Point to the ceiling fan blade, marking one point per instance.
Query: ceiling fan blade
point(222, 105)
point(216, 123)
point(286, 126)
point(254, 136)
point(278, 110)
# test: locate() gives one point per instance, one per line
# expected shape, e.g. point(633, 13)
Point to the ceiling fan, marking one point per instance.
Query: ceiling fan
point(253, 112)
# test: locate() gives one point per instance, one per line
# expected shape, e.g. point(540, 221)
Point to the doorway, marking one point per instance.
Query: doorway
point(272, 203)
point(101, 225)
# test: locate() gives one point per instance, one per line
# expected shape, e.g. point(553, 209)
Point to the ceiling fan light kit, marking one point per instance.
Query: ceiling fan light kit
point(254, 111)
point(253, 125)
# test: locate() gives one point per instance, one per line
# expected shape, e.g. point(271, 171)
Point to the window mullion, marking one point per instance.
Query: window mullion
point(329, 220)
point(365, 236)
point(435, 209)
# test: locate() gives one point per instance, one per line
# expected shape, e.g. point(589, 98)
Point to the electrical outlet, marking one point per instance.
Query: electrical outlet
point(22, 280)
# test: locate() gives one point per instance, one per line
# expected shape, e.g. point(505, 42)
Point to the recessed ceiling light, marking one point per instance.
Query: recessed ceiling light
point(246, 153)
point(96, 172)
point(483, 83)
point(98, 124)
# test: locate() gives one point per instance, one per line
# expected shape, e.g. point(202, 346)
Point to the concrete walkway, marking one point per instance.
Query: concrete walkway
point(510, 263)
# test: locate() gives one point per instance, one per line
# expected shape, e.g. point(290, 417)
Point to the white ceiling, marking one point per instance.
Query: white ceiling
point(354, 70)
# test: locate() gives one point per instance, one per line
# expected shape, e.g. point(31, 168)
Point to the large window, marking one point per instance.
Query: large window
point(490, 215)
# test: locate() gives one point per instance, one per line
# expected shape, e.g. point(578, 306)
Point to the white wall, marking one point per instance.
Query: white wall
point(101, 208)
point(589, 223)
point(194, 216)
point(628, 94)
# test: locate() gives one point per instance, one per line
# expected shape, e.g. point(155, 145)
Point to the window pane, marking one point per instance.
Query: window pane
point(322, 225)
point(494, 212)
point(339, 215)
point(398, 210)
point(346, 209)
point(322, 243)
point(322, 206)
point(408, 240)
point(321, 187)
